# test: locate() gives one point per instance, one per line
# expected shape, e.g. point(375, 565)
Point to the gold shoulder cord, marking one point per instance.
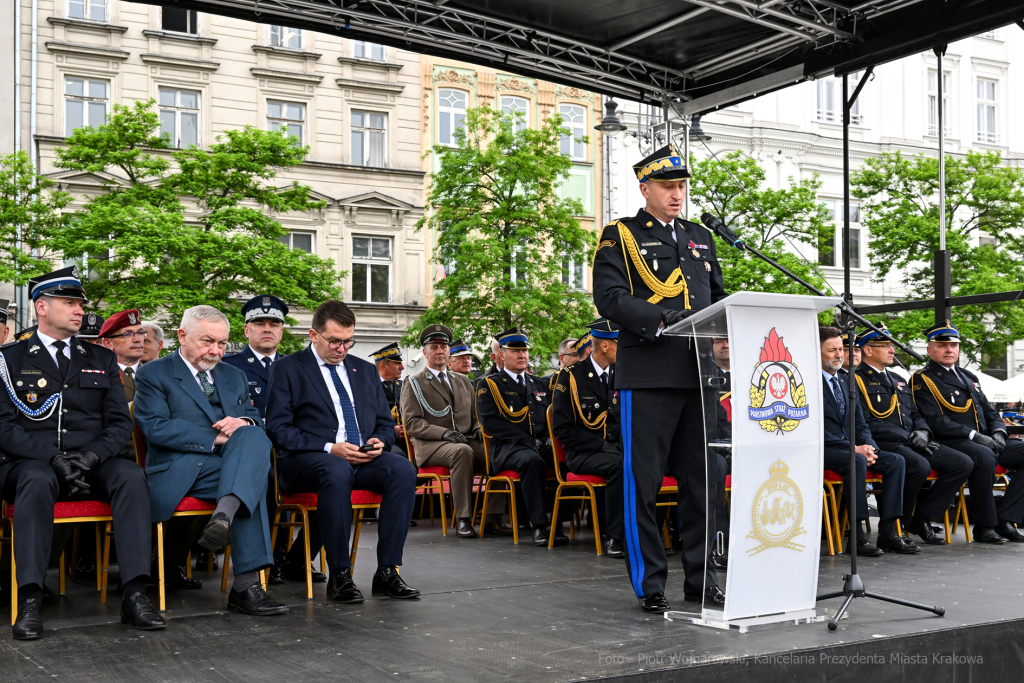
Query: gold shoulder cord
point(943, 403)
point(600, 422)
point(871, 408)
point(672, 287)
point(503, 408)
point(394, 414)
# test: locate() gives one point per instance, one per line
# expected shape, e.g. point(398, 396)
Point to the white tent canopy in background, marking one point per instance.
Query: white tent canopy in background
point(1008, 391)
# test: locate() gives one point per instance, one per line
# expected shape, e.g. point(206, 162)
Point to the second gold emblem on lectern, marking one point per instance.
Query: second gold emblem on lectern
point(778, 512)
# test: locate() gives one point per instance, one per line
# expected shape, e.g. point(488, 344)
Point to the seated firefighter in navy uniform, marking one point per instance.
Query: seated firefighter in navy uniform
point(585, 418)
point(264, 317)
point(390, 365)
point(64, 420)
point(897, 427)
point(960, 416)
point(512, 406)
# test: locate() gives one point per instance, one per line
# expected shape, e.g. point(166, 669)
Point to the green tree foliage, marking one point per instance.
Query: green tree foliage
point(29, 202)
point(505, 236)
point(201, 230)
point(984, 199)
point(775, 222)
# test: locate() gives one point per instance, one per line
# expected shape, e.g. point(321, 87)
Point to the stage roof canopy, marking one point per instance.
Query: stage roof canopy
point(700, 54)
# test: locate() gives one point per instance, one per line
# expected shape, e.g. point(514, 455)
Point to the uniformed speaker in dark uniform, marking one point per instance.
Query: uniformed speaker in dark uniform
point(390, 366)
point(512, 406)
point(650, 272)
point(897, 427)
point(64, 420)
point(585, 418)
point(959, 415)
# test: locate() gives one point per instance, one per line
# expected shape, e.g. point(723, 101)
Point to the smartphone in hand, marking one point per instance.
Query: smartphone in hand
point(367, 447)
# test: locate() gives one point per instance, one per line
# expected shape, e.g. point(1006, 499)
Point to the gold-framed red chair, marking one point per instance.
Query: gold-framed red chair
point(568, 480)
point(1001, 481)
point(303, 504)
point(506, 477)
point(433, 480)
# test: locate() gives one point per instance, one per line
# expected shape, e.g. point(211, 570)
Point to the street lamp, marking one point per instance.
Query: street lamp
point(610, 124)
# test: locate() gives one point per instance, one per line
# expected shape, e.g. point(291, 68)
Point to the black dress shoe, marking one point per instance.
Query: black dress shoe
point(293, 571)
point(138, 611)
point(276, 577)
point(85, 566)
point(984, 534)
point(613, 549)
point(866, 549)
point(386, 581)
point(216, 533)
point(29, 624)
point(255, 601)
point(560, 537)
point(540, 537)
point(174, 578)
point(497, 527)
point(343, 589)
point(203, 558)
point(922, 528)
point(909, 542)
point(655, 603)
point(713, 595)
point(718, 561)
point(893, 542)
point(465, 529)
point(1008, 531)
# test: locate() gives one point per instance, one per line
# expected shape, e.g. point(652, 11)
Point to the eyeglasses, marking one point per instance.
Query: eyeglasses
point(141, 334)
point(334, 345)
point(882, 346)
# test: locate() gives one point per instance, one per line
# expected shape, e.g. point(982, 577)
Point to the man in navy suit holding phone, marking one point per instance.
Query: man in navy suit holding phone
point(330, 422)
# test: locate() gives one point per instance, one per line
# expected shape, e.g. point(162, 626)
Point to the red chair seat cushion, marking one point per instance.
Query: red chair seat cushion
point(585, 478)
point(510, 474)
point(872, 474)
point(364, 497)
point(669, 483)
point(933, 475)
point(304, 499)
point(728, 482)
point(831, 476)
point(75, 508)
point(190, 504)
point(1001, 470)
point(442, 471)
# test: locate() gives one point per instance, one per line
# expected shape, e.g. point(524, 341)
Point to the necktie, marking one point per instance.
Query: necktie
point(204, 382)
point(444, 377)
point(840, 398)
point(266, 362)
point(347, 411)
point(519, 381)
point(604, 379)
point(62, 361)
point(130, 373)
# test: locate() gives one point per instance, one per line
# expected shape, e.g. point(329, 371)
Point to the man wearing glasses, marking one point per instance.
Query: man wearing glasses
point(330, 422)
point(123, 334)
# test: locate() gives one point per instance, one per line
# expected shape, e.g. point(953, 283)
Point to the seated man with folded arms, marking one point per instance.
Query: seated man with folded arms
point(585, 418)
point(331, 425)
point(206, 440)
point(437, 406)
point(63, 422)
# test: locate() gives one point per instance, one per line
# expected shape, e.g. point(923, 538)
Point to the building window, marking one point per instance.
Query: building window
point(987, 111)
point(369, 138)
point(573, 275)
point(179, 116)
point(286, 115)
point(282, 36)
point(574, 117)
point(303, 241)
point(95, 10)
point(371, 269)
point(830, 101)
point(828, 254)
point(994, 364)
point(510, 104)
point(933, 102)
point(365, 50)
point(991, 35)
point(451, 114)
point(85, 103)
point(180, 20)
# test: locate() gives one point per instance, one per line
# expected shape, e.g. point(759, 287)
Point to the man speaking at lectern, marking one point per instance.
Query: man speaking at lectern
point(650, 272)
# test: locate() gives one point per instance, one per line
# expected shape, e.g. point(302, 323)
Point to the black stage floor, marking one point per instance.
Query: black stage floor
point(492, 611)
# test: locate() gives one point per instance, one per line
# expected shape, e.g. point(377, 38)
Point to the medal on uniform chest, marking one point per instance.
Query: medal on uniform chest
point(707, 266)
point(41, 383)
point(596, 404)
point(696, 254)
point(655, 264)
point(31, 397)
point(590, 374)
point(878, 398)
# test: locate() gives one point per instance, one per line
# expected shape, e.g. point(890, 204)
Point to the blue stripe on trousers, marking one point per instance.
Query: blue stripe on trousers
point(636, 558)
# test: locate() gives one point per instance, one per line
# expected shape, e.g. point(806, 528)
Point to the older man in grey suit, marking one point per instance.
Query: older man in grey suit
point(206, 440)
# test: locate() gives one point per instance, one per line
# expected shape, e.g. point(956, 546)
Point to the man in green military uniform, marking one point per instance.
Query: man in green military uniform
point(650, 272)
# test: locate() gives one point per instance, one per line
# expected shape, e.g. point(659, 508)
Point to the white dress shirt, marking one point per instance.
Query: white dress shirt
point(516, 376)
point(48, 345)
point(600, 370)
point(195, 371)
point(671, 227)
point(443, 374)
point(135, 368)
point(261, 356)
point(329, 381)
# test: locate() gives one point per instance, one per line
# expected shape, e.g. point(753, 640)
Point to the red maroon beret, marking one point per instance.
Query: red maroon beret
point(119, 321)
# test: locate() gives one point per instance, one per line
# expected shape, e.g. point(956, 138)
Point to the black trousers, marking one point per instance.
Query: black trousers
point(890, 465)
point(953, 468)
point(983, 509)
point(532, 468)
point(33, 487)
point(663, 433)
point(607, 464)
point(333, 478)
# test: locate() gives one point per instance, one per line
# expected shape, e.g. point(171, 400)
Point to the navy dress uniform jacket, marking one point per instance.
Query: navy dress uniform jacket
point(507, 436)
point(953, 409)
point(645, 359)
point(95, 416)
point(572, 411)
point(257, 374)
point(886, 393)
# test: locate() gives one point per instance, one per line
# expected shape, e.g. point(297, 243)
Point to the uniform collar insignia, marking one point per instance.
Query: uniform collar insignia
point(81, 349)
point(35, 349)
point(257, 389)
point(429, 376)
point(251, 359)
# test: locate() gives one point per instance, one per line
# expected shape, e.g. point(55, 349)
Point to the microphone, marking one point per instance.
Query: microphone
point(720, 229)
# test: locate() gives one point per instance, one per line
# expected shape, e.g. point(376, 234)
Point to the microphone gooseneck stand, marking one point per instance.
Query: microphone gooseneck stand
point(853, 585)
